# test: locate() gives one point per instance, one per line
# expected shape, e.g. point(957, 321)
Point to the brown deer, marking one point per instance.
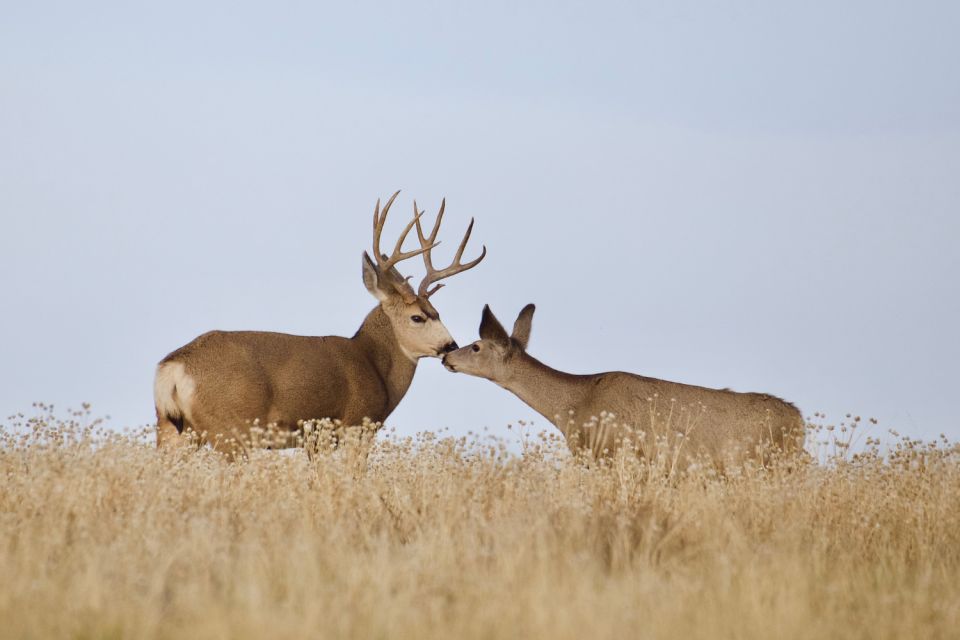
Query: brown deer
point(222, 382)
point(603, 411)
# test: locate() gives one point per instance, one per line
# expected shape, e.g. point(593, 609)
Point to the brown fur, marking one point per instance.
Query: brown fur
point(222, 382)
point(276, 378)
point(716, 422)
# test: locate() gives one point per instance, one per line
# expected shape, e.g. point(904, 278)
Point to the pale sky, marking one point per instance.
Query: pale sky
point(763, 196)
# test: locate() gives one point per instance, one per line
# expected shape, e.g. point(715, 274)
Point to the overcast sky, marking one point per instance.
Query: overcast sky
point(756, 195)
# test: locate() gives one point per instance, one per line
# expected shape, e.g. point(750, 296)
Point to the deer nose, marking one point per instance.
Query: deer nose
point(450, 346)
point(447, 364)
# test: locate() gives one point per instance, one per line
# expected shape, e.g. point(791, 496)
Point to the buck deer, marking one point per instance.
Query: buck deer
point(603, 411)
point(223, 381)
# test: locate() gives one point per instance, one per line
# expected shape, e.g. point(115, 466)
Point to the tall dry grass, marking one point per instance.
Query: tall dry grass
point(433, 537)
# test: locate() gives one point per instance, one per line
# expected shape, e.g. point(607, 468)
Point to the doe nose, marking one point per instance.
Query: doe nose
point(450, 346)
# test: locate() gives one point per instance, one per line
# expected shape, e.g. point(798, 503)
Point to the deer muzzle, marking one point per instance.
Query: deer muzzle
point(449, 365)
point(450, 346)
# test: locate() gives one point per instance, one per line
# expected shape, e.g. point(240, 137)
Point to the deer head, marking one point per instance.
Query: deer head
point(413, 317)
point(491, 355)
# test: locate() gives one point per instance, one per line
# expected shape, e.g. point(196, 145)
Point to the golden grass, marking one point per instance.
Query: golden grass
point(102, 537)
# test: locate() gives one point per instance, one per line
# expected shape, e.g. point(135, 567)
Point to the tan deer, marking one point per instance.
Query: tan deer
point(223, 381)
point(601, 412)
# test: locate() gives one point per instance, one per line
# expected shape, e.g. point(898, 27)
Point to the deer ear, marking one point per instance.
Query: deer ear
point(372, 280)
point(521, 328)
point(490, 327)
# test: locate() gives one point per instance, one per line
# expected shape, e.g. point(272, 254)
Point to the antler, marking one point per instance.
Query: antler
point(385, 263)
point(428, 243)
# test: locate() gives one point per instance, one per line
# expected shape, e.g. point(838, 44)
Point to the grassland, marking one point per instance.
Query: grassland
point(434, 537)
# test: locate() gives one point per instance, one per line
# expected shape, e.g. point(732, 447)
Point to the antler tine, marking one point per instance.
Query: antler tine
point(379, 219)
point(463, 243)
point(431, 239)
point(378, 222)
point(433, 275)
point(436, 227)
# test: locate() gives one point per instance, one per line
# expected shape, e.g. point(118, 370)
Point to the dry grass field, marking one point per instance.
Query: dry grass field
point(437, 537)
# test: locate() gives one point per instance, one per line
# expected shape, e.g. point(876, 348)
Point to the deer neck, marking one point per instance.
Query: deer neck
point(378, 342)
point(549, 392)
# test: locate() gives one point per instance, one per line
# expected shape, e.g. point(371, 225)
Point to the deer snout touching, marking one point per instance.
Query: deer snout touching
point(451, 346)
point(449, 365)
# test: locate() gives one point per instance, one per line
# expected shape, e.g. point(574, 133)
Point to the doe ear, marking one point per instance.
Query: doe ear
point(372, 280)
point(490, 327)
point(521, 328)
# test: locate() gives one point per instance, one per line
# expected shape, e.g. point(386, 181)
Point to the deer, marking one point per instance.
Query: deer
point(600, 413)
point(223, 383)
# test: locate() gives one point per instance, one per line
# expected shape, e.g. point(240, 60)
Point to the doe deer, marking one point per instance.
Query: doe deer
point(604, 411)
point(224, 381)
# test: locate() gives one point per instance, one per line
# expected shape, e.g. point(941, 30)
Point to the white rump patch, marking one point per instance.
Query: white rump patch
point(173, 390)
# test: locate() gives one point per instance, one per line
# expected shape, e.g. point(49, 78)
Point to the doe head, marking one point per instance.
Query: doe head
point(415, 321)
point(490, 357)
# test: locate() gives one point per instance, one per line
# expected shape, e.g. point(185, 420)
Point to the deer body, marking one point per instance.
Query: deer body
point(280, 379)
point(602, 411)
point(222, 382)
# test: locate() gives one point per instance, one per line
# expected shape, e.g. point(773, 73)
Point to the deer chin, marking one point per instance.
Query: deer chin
point(416, 355)
point(411, 355)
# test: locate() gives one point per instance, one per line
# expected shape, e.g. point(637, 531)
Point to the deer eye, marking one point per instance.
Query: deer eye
point(417, 319)
point(476, 348)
